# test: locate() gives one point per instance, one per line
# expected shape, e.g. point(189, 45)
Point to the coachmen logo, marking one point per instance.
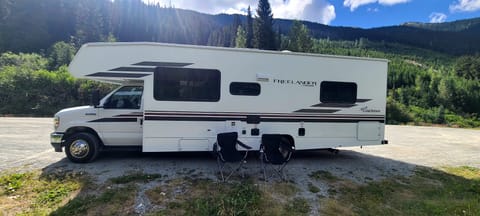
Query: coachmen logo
point(304, 83)
point(368, 110)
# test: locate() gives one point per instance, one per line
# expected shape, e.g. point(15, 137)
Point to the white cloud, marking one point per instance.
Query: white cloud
point(354, 4)
point(313, 10)
point(437, 17)
point(328, 14)
point(289, 9)
point(208, 6)
point(373, 10)
point(465, 6)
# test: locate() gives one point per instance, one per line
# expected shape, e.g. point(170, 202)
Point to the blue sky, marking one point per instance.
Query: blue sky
point(354, 13)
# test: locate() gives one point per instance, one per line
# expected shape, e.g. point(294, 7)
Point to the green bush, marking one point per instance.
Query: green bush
point(24, 91)
point(397, 113)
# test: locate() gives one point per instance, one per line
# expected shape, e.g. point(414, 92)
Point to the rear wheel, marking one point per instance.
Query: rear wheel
point(82, 147)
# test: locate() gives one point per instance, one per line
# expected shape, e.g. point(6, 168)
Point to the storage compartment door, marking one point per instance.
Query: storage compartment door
point(368, 131)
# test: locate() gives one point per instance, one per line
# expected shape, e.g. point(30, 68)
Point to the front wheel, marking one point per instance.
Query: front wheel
point(82, 147)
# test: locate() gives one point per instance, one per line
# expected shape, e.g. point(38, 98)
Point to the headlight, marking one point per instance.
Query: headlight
point(56, 122)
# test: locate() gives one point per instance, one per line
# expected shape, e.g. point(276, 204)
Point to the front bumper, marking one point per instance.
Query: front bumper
point(56, 141)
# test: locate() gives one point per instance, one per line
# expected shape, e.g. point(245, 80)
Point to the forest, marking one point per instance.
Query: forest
point(433, 78)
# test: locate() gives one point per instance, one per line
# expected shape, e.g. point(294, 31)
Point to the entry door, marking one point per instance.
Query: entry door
point(122, 117)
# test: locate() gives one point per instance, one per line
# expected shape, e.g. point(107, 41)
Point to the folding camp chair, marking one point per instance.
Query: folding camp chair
point(226, 151)
point(275, 150)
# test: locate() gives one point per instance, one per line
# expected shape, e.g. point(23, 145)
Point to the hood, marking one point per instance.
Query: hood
point(75, 110)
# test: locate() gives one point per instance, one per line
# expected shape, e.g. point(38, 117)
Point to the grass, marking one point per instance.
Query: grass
point(31, 193)
point(115, 201)
point(324, 176)
point(67, 193)
point(448, 191)
point(206, 197)
point(12, 182)
point(118, 197)
point(298, 206)
point(445, 191)
point(312, 188)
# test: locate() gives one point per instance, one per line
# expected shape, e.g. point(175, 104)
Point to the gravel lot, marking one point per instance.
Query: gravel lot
point(25, 145)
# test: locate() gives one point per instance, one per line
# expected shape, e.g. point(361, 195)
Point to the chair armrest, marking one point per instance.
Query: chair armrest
point(243, 145)
point(289, 148)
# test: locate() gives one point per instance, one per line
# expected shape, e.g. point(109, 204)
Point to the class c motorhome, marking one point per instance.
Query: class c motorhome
point(179, 97)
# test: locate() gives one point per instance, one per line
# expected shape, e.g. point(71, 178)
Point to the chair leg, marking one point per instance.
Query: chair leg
point(220, 168)
point(276, 170)
point(240, 165)
point(282, 173)
point(264, 166)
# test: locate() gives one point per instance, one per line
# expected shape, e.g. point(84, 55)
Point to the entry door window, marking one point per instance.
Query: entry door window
point(127, 97)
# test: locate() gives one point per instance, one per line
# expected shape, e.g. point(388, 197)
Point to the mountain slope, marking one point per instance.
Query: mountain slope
point(32, 26)
point(455, 26)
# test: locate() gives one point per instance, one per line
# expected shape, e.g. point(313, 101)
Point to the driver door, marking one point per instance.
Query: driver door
point(122, 117)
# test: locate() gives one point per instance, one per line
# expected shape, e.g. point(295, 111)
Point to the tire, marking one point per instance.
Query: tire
point(82, 147)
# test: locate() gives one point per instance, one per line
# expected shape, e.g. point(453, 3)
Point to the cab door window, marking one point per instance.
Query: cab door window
point(127, 97)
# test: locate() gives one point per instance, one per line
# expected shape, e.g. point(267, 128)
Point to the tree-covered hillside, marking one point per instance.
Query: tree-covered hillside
point(434, 70)
point(32, 26)
point(455, 26)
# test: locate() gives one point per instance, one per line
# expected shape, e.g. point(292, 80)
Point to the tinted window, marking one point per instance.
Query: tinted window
point(127, 97)
point(186, 84)
point(338, 92)
point(244, 88)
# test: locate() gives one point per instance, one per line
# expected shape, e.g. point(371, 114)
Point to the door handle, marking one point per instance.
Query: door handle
point(140, 120)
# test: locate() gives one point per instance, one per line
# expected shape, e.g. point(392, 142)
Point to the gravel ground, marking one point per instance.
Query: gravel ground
point(25, 146)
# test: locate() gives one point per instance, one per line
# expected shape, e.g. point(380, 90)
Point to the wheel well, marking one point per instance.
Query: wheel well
point(75, 130)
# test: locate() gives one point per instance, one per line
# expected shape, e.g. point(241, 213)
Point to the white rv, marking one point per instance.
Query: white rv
point(179, 97)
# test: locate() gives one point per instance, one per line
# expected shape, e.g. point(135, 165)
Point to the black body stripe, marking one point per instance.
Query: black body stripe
point(134, 69)
point(262, 119)
point(129, 115)
point(162, 64)
point(115, 120)
point(342, 105)
point(128, 75)
point(195, 118)
point(363, 100)
point(317, 110)
point(334, 105)
point(323, 120)
point(188, 113)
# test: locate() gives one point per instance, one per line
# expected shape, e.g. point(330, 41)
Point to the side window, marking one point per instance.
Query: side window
point(245, 88)
point(186, 84)
point(338, 92)
point(127, 97)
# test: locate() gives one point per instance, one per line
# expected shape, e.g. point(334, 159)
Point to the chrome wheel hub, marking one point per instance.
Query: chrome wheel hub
point(79, 148)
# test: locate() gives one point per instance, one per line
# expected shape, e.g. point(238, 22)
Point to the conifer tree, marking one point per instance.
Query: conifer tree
point(263, 27)
point(298, 38)
point(249, 30)
point(241, 39)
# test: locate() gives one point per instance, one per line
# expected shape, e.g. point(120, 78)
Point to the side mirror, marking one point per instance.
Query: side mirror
point(95, 98)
